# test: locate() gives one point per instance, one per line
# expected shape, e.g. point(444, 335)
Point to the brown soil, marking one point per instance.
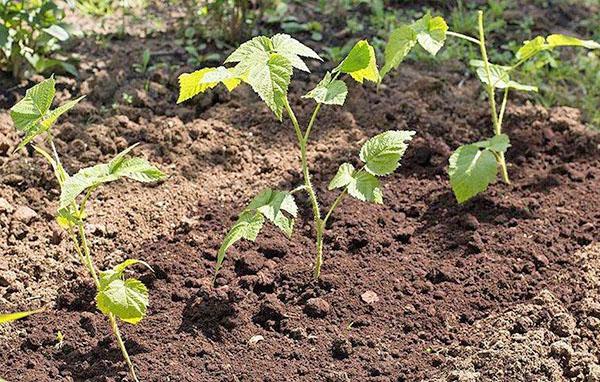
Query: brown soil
point(502, 288)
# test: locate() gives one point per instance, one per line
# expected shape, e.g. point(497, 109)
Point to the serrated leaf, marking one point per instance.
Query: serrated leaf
point(563, 40)
point(36, 103)
point(365, 187)
point(498, 143)
point(137, 169)
point(361, 63)
point(500, 77)
point(10, 317)
point(270, 80)
point(401, 41)
point(343, 177)
point(431, 33)
point(221, 74)
point(190, 84)
point(247, 227)
point(471, 171)
point(328, 91)
point(382, 153)
point(292, 49)
point(126, 299)
point(531, 48)
point(257, 49)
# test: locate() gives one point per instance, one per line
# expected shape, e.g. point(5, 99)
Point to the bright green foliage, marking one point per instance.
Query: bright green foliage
point(30, 33)
point(538, 44)
point(137, 169)
point(400, 43)
point(429, 32)
point(473, 167)
point(329, 91)
point(10, 317)
point(381, 156)
point(266, 64)
point(500, 77)
point(279, 207)
point(125, 298)
point(32, 115)
point(361, 63)
point(383, 152)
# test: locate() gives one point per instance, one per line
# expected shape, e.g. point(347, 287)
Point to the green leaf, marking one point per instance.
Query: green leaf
point(401, 41)
point(58, 32)
point(257, 49)
point(10, 317)
point(361, 63)
point(328, 91)
point(133, 168)
point(125, 298)
point(247, 227)
point(498, 143)
point(221, 74)
point(471, 171)
point(365, 187)
point(343, 177)
point(431, 33)
point(268, 204)
point(30, 110)
point(562, 40)
point(382, 153)
point(190, 84)
point(292, 49)
point(500, 77)
point(531, 48)
point(270, 80)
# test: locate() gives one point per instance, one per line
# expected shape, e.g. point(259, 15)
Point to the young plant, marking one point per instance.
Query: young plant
point(267, 64)
point(474, 166)
point(117, 297)
point(30, 37)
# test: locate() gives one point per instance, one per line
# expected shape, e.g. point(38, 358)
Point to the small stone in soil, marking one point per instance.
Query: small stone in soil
point(316, 307)
point(25, 214)
point(5, 206)
point(369, 297)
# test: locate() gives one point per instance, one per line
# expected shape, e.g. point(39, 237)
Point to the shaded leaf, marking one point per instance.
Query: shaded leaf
point(328, 91)
point(498, 143)
point(431, 33)
point(401, 41)
point(270, 80)
point(471, 171)
point(343, 177)
point(365, 187)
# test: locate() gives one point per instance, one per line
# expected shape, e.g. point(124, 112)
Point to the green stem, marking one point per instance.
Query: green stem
point(336, 202)
point(462, 36)
point(115, 329)
point(308, 185)
point(503, 106)
point(491, 93)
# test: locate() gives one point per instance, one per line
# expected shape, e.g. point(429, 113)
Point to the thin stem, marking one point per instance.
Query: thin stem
point(115, 329)
point(462, 36)
point(491, 94)
point(87, 255)
point(313, 117)
point(336, 202)
point(489, 86)
point(503, 106)
point(309, 188)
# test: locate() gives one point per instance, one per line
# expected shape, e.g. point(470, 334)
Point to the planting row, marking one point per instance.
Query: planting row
point(267, 65)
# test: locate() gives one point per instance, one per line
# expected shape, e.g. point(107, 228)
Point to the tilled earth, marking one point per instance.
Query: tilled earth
point(503, 288)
